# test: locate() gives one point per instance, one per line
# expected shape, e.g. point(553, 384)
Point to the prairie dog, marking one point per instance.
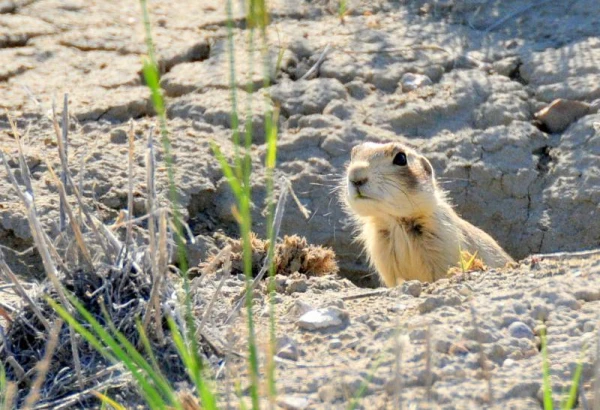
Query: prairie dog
point(406, 224)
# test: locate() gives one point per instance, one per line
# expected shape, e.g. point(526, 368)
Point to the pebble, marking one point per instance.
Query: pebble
point(296, 285)
point(520, 330)
point(411, 81)
point(337, 302)
point(433, 302)
point(322, 318)
point(118, 136)
point(540, 311)
point(412, 287)
point(299, 308)
point(328, 393)
point(293, 402)
point(561, 113)
point(588, 326)
point(417, 335)
point(588, 295)
point(289, 352)
point(335, 343)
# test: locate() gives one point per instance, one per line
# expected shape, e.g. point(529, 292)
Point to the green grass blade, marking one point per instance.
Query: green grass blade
point(156, 376)
point(574, 390)
point(150, 395)
point(270, 162)
point(235, 122)
point(470, 262)
point(547, 385)
point(147, 347)
point(107, 401)
point(232, 179)
point(3, 386)
point(194, 366)
point(364, 385)
point(152, 78)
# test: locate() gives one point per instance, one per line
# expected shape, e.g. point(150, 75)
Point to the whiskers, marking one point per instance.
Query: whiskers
point(393, 184)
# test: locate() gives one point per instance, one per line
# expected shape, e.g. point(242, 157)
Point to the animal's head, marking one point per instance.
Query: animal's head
point(389, 180)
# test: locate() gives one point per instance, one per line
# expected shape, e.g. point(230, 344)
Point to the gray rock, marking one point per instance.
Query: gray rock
point(434, 302)
point(289, 352)
point(329, 393)
point(358, 89)
point(299, 308)
point(287, 348)
point(561, 113)
point(411, 287)
point(335, 343)
point(296, 286)
point(293, 402)
point(118, 136)
point(520, 330)
point(587, 295)
point(411, 81)
point(324, 318)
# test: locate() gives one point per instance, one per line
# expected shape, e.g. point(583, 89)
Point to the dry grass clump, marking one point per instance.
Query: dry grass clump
point(469, 262)
point(292, 255)
point(127, 289)
point(117, 298)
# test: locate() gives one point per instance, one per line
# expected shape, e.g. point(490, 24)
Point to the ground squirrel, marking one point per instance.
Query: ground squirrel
point(406, 224)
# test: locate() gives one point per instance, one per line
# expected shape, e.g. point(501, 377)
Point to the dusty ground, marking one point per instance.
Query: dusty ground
point(490, 65)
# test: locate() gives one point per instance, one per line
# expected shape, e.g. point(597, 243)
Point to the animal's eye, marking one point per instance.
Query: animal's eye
point(400, 159)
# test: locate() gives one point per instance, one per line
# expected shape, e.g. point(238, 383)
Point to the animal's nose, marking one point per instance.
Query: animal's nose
point(358, 181)
point(358, 174)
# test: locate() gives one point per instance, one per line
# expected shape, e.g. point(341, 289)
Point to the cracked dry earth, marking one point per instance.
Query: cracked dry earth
point(462, 80)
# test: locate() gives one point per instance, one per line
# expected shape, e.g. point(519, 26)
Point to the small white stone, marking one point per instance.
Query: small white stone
point(411, 81)
point(322, 318)
point(335, 343)
point(293, 402)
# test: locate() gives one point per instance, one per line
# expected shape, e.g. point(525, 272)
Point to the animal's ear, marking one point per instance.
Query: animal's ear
point(353, 152)
point(427, 166)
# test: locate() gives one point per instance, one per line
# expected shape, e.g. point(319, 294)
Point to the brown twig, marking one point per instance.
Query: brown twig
point(596, 386)
point(150, 199)
point(316, 66)
point(19, 372)
point(21, 292)
point(65, 143)
point(224, 255)
point(154, 301)
point(64, 165)
point(10, 394)
point(131, 139)
point(38, 238)
point(563, 255)
point(517, 13)
point(43, 366)
point(74, 225)
point(366, 294)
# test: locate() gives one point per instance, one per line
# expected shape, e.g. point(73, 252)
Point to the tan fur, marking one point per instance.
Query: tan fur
point(406, 224)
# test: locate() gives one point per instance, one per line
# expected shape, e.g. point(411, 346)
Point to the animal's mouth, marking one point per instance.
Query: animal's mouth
point(357, 195)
